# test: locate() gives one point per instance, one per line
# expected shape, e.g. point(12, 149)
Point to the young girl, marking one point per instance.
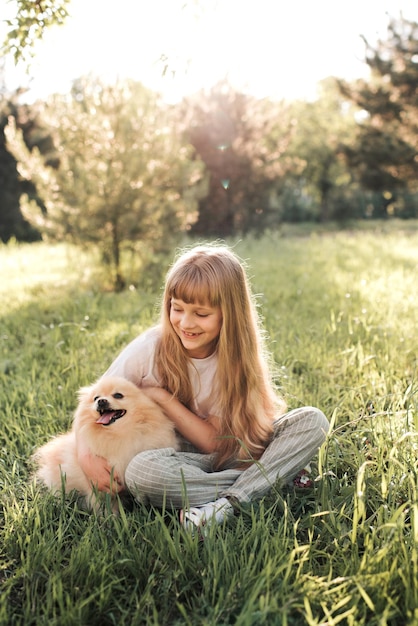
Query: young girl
point(206, 365)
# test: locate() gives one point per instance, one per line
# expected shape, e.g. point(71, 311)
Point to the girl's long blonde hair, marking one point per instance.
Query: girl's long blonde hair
point(213, 275)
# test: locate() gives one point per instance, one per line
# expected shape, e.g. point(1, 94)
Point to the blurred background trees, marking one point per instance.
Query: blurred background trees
point(242, 141)
point(121, 177)
point(384, 151)
point(115, 167)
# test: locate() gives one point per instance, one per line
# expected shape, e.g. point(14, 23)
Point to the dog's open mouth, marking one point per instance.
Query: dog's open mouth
point(109, 416)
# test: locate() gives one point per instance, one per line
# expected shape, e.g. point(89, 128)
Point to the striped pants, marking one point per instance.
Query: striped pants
point(182, 478)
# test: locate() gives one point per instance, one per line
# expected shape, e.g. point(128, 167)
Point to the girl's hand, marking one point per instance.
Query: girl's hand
point(158, 394)
point(98, 471)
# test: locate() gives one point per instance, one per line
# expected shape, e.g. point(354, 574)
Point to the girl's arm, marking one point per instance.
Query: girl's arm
point(201, 433)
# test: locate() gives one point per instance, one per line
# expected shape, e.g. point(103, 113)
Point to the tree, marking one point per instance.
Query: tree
point(32, 18)
point(11, 220)
point(320, 127)
point(12, 186)
point(124, 181)
point(242, 142)
point(385, 150)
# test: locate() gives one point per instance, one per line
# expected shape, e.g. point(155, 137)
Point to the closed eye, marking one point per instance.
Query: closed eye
point(118, 396)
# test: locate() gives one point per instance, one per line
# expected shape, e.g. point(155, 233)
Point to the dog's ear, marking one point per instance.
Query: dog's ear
point(84, 392)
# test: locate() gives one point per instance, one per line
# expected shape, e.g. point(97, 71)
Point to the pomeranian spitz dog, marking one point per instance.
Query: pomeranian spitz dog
point(116, 420)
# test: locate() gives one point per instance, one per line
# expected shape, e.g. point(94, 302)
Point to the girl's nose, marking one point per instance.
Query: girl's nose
point(187, 321)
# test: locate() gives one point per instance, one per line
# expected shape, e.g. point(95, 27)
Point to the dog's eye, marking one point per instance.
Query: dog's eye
point(96, 398)
point(118, 396)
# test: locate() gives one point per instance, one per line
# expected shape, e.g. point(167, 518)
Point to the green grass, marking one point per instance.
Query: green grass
point(341, 311)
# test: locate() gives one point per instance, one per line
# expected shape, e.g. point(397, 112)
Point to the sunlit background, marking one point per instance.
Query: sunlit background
point(264, 47)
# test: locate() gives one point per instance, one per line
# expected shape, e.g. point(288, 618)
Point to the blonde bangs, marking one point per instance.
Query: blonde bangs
point(193, 285)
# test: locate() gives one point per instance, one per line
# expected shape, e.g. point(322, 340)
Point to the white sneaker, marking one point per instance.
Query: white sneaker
point(196, 518)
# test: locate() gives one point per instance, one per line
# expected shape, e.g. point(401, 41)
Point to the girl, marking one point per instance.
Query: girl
point(206, 365)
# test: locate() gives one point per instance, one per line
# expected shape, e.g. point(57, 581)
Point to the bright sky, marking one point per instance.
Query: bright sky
point(276, 48)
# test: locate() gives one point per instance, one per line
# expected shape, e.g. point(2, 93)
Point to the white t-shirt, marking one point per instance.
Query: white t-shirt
point(136, 363)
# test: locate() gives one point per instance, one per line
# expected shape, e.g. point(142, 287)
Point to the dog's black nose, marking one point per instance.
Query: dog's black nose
point(102, 403)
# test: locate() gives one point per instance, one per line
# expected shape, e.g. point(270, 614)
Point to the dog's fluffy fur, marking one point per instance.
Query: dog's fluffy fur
point(116, 420)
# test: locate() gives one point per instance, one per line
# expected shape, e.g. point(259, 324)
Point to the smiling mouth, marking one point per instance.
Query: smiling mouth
point(109, 416)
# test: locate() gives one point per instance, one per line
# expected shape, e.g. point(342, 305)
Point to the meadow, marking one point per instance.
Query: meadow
point(340, 309)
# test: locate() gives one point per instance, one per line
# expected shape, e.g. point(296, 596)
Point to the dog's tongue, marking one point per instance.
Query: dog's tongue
point(105, 418)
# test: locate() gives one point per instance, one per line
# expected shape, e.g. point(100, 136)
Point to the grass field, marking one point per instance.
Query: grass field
point(341, 311)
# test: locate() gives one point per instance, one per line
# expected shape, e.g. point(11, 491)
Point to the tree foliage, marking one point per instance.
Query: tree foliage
point(320, 126)
point(32, 18)
point(242, 142)
point(12, 185)
point(385, 150)
point(124, 181)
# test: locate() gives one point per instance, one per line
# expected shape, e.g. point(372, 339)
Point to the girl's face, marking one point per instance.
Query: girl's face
point(197, 325)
